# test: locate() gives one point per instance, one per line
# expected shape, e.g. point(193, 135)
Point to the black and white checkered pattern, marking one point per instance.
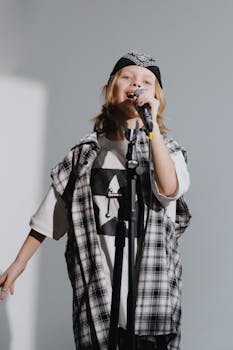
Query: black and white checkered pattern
point(158, 307)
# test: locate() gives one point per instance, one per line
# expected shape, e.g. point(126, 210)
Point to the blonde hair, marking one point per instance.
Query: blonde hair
point(104, 123)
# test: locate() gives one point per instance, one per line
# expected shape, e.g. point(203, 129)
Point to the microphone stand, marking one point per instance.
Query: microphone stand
point(132, 164)
point(116, 284)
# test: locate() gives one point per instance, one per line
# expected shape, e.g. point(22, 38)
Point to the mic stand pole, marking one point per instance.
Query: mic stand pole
point(132, 165)
point(116, 284)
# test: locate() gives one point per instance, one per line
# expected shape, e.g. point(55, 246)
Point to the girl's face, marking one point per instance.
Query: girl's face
point(131, 78)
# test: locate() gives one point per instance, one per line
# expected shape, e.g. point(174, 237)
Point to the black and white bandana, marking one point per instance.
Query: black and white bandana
point(138, 59)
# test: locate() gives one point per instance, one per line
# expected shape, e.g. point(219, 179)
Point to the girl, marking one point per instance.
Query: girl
point(87, 198)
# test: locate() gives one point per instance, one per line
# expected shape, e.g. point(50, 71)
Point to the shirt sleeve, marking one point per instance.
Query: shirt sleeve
point(50, 219)
point(182, 177)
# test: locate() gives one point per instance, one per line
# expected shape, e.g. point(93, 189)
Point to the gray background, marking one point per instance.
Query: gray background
point(71, 47)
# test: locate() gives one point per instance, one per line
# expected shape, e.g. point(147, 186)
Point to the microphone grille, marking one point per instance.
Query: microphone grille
point(138, 91)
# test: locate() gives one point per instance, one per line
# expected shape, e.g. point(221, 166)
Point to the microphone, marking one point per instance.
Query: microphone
point(144, 112)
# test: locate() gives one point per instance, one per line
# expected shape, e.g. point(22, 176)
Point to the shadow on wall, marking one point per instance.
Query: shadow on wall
point(5, 334)
point(54, 296)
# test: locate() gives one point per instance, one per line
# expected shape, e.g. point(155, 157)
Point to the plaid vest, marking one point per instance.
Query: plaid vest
point(158, 306)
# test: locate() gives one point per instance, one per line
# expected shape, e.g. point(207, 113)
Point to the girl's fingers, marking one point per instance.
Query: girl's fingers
point(5, 288)
point(5, 285)
point(8, 278)
point(146, 99)
point(3, 280)
point(12, 288)
point(3, 292)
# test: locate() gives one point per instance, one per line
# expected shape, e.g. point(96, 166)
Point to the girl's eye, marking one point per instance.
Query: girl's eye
point(126, 77)
point(148, 82)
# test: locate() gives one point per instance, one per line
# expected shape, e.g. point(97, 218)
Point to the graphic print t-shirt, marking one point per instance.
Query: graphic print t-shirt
point(109, 190)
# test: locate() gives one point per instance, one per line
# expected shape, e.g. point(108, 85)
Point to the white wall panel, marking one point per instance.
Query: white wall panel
point(22, 138)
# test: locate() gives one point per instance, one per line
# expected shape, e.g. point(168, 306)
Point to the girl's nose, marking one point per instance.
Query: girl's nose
point(136, 83)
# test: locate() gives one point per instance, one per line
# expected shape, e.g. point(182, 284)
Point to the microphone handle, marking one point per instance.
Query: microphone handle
point(145, 114)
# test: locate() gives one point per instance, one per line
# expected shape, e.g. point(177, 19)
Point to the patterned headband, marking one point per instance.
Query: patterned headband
point(138, 59)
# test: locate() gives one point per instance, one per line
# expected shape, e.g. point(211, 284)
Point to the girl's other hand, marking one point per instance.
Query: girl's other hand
point(7, 279)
